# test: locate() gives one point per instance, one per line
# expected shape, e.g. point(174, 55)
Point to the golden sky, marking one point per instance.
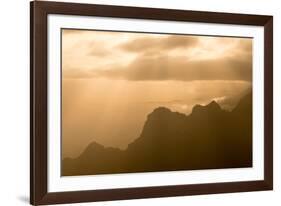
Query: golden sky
point(112, 80)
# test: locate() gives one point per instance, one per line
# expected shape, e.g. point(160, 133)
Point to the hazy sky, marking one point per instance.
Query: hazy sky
point(112, 80)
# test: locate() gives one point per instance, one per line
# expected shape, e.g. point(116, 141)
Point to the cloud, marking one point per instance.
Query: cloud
point(149, 44)
point(147, 57)
point(73, 31)
point(175, 68)
point(98, 50)
point(245, 44)
point(244, 49)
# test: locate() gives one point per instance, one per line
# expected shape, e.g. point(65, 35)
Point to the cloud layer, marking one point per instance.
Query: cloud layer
point(149, 44)
point(147, 57)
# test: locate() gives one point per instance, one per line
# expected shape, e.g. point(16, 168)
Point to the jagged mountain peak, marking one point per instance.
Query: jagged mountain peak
point(93, 146)
point(160, 110)
point(213, 106)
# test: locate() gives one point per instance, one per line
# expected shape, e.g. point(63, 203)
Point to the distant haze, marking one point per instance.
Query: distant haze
point(111, 81)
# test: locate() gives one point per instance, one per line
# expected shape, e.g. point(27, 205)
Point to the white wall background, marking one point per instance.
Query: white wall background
point(14, 101)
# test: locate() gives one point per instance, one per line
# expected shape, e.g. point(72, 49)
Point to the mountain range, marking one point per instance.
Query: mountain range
point(208, 138)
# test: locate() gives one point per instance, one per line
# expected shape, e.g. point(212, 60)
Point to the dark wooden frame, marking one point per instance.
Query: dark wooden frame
point(38, 102)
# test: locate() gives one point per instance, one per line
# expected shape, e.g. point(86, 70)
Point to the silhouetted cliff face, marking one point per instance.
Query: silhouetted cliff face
point(208, 138)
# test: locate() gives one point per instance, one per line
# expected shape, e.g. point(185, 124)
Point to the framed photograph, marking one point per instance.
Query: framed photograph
point(131, 102)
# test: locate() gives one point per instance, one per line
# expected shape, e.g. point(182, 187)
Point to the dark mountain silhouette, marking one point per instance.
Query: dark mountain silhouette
point(208, 138)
